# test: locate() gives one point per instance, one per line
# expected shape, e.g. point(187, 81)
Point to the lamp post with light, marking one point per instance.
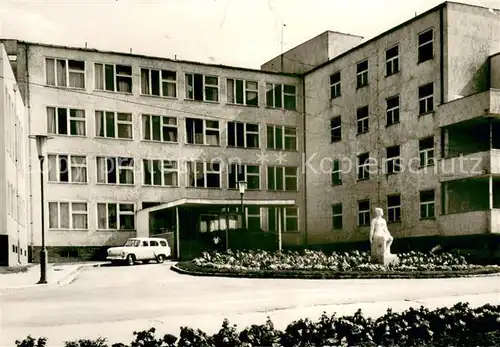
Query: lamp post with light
point(40, 147)
point(242, 186)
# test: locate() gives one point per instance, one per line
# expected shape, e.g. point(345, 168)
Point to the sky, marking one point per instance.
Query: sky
point(243, 33)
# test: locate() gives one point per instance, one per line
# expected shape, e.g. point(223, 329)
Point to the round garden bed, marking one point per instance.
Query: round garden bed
point(318, 265)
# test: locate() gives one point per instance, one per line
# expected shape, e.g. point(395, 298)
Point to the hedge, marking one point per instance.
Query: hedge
point(458, 326)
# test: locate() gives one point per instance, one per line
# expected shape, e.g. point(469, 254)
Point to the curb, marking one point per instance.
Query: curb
point(332, 276)
point(67, 279)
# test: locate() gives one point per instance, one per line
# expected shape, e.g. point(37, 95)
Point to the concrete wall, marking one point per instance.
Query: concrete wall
point(472, 35)
point(320, 109)
point(13, 166)
point(312, 53)
point(91, 100)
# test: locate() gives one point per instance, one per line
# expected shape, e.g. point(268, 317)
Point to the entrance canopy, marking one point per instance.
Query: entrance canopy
point(143, 215)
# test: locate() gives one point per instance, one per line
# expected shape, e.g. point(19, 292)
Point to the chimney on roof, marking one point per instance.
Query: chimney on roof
point(85, 44)
point(130, 50)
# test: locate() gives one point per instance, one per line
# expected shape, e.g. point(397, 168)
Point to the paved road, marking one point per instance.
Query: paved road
point(115, 301)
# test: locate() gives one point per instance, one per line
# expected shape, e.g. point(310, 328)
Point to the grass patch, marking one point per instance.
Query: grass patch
point(14, 269)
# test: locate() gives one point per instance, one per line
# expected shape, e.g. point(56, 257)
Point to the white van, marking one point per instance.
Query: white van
point(142, 249)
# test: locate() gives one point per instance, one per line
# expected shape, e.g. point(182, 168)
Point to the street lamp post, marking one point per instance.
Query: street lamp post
point(40, 147)
point(242, 186)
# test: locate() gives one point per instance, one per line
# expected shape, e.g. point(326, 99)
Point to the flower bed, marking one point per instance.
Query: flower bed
point(315, 264)
point(459, 325)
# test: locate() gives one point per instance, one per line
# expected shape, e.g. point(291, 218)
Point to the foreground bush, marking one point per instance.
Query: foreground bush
point(316, 260)
point(459, 325)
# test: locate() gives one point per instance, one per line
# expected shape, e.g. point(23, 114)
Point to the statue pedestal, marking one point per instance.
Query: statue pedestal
point(380, 254)
point(385, 259)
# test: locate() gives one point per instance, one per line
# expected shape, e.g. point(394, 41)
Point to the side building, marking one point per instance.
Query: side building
point(144, 145)
point(14, 227)
point(408, 121)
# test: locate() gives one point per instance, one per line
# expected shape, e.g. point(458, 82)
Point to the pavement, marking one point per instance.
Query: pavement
point(57, 275)
point(113, 302)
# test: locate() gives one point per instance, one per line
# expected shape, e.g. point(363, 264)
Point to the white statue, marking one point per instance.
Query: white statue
point(381, 239)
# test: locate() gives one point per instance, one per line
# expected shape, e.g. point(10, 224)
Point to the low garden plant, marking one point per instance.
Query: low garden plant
point(459, 325)
point(317, 264)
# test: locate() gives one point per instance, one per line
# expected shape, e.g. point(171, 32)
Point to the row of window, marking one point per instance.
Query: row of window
point(119, 125)
point(393, 161)
point(392, 65)
point(66, 168)
point(426, 105)
point(121, 216)
point(14, 132)
point(163, 83)
point(426, 201)
point(16, 207)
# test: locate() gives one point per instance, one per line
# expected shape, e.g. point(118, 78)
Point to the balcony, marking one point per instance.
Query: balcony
point(470, 107)
point(470, 223)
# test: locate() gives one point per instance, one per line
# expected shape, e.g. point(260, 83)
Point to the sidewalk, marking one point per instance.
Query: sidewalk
point(57, 275)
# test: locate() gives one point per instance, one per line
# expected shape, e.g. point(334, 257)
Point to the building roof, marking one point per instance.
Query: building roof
point(397, 27)
point(134, 55)
point(221, 202)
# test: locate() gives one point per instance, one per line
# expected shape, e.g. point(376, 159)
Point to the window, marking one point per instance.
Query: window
point(203, 175)
point(243, 135)
point(113, 216)
point(113, 125)
point(114, 78)
point(281, 96)
point(115, 170)
point(363, 120)
point(253, 218)
point(363, 213)
point(394, 208)
point(426, 98)
point(67, 168)
point(68, 215)
point(202, 132)
point(425, 49)
point(63, 121)
point(336, 173)
point(65, 73)
point(281, 138)
point(248, 173)
point(427, 204)
point(202, 88)
point(426, 149)
point(282, 178)
point(335, 86)
point(363, 166)
point(159, 82)
point(393, 161)
point(392, 110)
point(160, 172)
point(289, 220)
point(337, 217)
point(362, 74)
point(392, 61)
point(335, 129)
point(242, 92)
point(159, 128)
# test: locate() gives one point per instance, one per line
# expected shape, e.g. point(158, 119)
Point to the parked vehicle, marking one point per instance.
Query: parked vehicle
point(142, 249)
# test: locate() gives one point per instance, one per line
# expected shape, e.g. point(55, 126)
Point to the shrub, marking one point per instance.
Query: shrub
point(458, 326)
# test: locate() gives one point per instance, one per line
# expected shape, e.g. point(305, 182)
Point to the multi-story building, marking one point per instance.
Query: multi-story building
point(14, 238)
point(132, 132)
point(322, 134)
point(408, 121)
